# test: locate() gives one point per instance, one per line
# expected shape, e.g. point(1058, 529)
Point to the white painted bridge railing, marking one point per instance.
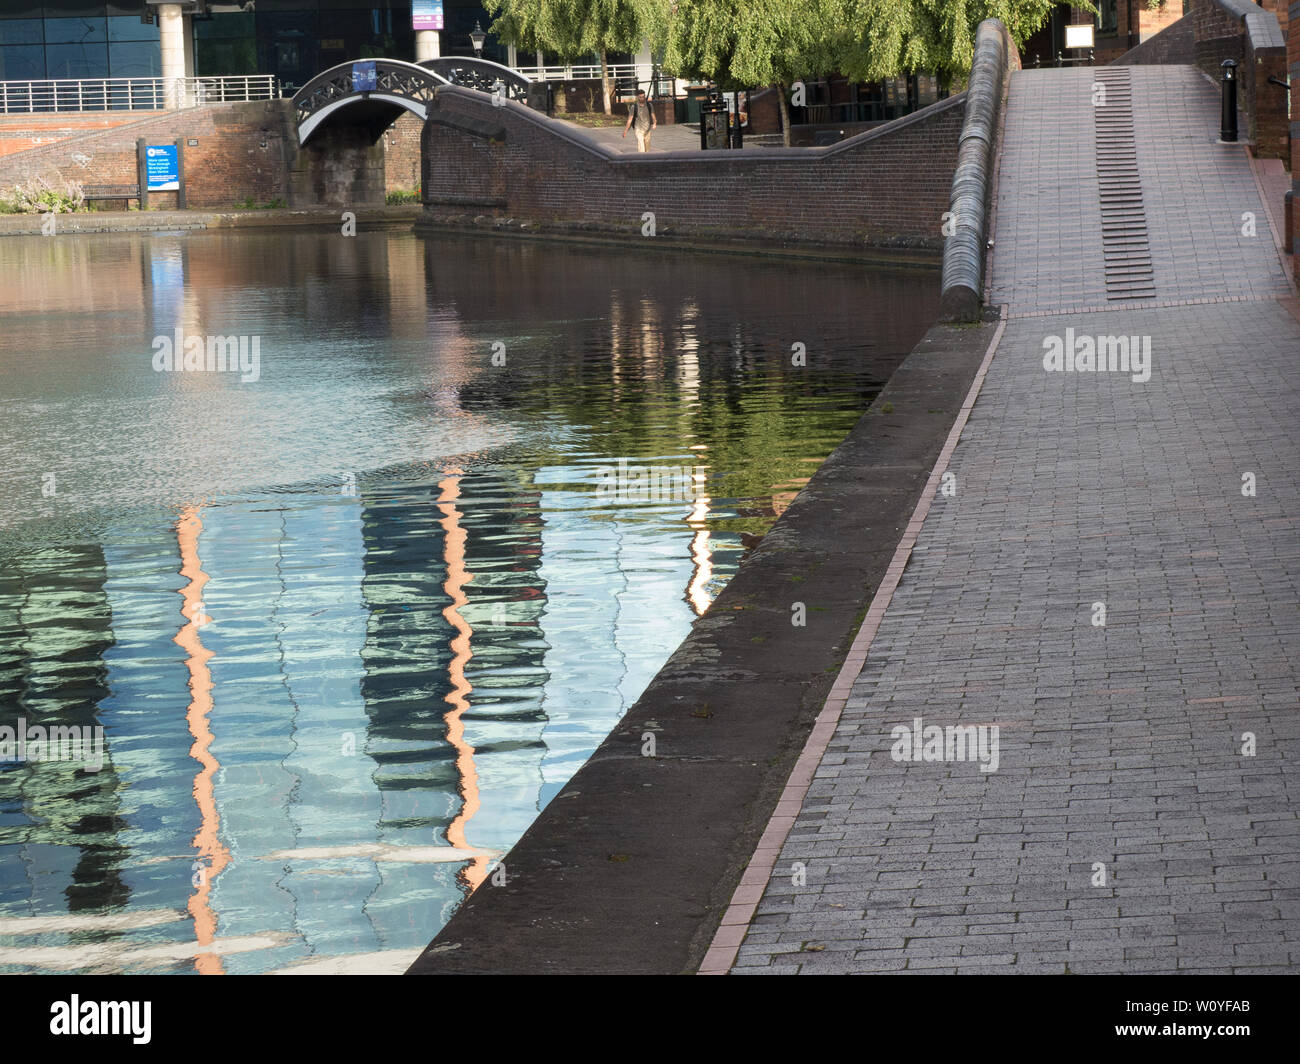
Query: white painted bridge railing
point(580, 71)
point(132, 94)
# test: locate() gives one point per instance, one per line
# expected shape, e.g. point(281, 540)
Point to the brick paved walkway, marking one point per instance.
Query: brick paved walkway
point(1119, 744)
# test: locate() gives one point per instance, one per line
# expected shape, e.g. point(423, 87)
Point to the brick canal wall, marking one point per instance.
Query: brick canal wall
point(243, 151)
point(884, 188)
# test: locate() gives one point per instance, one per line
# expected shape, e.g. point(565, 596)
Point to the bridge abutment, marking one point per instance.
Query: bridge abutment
point(340, 167)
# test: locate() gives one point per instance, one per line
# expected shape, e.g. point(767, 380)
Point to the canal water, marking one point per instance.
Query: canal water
point(347, 614)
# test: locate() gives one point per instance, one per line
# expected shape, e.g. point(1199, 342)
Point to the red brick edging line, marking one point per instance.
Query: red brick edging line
point(735, 921)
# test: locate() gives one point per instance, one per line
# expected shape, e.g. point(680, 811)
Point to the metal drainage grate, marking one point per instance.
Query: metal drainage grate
point(1125, 250)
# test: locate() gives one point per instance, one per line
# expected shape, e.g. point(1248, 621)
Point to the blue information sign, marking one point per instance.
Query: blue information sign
point(363, 77)
point(162, 168)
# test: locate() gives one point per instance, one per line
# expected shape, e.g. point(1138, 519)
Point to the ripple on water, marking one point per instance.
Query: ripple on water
point(349, 626)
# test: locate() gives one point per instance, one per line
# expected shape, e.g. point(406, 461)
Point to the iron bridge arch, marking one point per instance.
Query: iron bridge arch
point(397, 86)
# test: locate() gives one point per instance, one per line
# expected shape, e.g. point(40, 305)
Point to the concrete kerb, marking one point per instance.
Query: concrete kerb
point(99, 222)
point(726, 944)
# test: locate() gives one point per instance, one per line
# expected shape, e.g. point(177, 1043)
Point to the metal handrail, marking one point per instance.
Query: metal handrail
point(132, 94)
point(579, 71)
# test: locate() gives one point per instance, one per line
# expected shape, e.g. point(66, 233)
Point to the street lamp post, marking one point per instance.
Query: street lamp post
point(476, 38)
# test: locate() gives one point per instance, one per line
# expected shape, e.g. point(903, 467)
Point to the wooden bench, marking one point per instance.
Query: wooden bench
point(111, 192)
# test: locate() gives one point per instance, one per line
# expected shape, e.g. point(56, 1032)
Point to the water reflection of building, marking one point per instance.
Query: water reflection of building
point(609, 571)
point(420, 661)
point(340, 769)
point(310, 666)
point(55, 627)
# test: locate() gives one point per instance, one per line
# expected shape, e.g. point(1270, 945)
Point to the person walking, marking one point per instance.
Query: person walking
point(641, 119)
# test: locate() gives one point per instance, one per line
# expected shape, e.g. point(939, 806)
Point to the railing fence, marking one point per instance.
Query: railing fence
point(51, 95)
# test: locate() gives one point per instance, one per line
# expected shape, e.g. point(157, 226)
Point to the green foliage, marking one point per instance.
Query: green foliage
point(739, 43)
point(401, 195)
point(574, 29)
point(38, 196)
point(758, 42)
point(886, 38)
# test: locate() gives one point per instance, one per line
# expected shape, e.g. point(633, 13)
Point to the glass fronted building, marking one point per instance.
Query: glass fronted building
point(297, 39)
point(292, 39)
point(71, 39)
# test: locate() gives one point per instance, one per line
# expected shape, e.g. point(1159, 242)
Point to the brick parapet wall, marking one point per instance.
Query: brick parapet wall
point(1175, 44)
point(1251, 35)
point(885, 188)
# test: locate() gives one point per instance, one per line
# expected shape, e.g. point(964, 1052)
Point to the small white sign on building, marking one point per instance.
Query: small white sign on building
point(1078, 36)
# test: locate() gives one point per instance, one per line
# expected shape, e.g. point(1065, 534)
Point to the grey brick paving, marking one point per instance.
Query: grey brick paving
point(1118, 744)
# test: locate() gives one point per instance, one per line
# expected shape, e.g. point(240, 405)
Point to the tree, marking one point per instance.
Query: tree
point(739, 43)
point(574, 29)
point(885, 38)
point(745, 43)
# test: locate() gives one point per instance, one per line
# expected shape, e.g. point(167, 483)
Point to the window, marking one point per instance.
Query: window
point(76, 60)
point(238, 56)
point(135, 59)
point(75, 30)
point(22, 63)
point(1108, 20)
point(130, 28)
point(21, 31)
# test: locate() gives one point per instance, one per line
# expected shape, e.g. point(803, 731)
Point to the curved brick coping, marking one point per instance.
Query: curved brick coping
point(631, 866)
point(963, 253)
point(1261, 26)
point(568, 132)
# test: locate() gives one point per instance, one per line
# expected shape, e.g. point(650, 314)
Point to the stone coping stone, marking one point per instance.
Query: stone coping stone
point(152, 221)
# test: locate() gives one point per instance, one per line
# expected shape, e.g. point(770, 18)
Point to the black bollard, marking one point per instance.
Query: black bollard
point(1228, 126)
